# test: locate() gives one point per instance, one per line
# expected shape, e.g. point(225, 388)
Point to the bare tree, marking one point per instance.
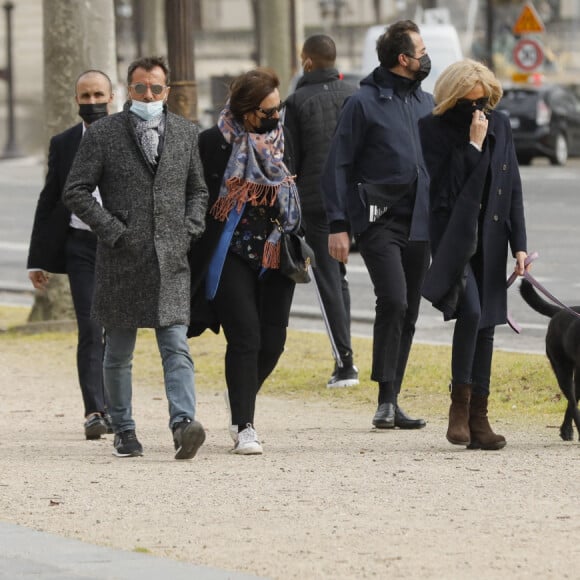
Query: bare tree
point(275, 42)
point(179, 18)
point(77, 36)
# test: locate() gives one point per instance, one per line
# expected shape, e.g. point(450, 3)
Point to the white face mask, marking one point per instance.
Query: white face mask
point(147, 110)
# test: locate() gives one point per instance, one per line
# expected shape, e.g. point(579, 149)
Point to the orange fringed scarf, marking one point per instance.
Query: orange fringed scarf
point(240, 192)
point(256, 174)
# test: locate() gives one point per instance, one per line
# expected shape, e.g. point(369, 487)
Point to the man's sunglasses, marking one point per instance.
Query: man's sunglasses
point(141, 88)
point(269, 113)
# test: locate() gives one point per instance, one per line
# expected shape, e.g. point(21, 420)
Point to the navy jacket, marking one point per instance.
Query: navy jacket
point(52, 218)
point(457, 176)
point(377, 141)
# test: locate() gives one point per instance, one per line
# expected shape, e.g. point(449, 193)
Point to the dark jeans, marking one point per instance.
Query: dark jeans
point(397, 269)
point(81, 246)
point(253, 312)
point(332, 284)
point(472, 349)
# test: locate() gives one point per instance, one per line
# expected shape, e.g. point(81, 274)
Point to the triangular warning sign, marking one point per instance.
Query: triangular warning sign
point(528, 21)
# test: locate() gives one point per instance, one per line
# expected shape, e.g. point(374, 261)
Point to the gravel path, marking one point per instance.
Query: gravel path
point(330, 498)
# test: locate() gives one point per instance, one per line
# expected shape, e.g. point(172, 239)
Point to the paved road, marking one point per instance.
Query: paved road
point(552, 201)
point(552, 208)
point(553, 213)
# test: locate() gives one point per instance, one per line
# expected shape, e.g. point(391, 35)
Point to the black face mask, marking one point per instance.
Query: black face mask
point(266, 125)
point(91, 112)
point(424, 68)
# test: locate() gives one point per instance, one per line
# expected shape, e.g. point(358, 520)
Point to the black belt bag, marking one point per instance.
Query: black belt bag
point(378, 198)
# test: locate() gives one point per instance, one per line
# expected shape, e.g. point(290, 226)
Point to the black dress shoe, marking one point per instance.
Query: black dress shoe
point(385, 416)
point(403, 421)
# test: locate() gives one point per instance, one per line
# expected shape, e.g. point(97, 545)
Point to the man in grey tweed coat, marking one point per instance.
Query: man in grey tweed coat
point(145, 162)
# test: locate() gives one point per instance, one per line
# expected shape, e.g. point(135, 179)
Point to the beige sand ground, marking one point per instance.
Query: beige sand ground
point(330, 498)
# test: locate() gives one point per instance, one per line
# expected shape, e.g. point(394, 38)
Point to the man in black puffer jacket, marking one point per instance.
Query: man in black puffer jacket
point(311, 116)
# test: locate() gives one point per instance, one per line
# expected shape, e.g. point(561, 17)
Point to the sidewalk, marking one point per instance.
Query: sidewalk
point(330, 497)
point(29, 554)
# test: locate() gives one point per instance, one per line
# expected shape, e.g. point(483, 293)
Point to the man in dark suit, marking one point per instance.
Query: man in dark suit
point(62, 244)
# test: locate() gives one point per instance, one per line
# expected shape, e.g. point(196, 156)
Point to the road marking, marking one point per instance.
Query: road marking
point(14, 246)
point(555, 173)
point(352, 269)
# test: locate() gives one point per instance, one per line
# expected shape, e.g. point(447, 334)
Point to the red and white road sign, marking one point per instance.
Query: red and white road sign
point(528, 54)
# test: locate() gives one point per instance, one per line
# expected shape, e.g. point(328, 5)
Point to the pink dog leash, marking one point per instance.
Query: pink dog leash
point(514, 325)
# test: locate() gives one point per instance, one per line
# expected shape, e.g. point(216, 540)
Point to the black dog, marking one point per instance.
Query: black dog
point(563, 350)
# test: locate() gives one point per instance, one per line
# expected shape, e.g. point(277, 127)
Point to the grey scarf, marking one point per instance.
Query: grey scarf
point(149, 134)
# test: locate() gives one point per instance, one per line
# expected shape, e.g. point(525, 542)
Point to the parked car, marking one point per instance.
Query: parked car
point(545, 121)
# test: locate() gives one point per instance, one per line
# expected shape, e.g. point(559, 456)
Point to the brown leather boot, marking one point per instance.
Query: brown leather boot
point(482, 436)
point(458, 429)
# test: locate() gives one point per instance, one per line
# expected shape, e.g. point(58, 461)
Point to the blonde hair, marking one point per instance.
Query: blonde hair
point(459, 79)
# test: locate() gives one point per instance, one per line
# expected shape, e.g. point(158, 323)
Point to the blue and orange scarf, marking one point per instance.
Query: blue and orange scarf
point(255, 174)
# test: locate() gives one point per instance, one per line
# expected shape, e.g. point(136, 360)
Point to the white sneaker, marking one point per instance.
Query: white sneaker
point(247, 442)
point(232, 429)
point(343, 377)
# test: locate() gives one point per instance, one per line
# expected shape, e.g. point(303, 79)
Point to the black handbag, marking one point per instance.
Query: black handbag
point(296, 257)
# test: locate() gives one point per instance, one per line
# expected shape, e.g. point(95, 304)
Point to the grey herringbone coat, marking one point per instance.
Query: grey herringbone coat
point(146, 224)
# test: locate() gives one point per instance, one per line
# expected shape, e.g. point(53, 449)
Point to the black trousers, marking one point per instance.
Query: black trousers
point(472, 349)
point(332, 284)
point(81, 247)
point(397, 269)
point(253, 311)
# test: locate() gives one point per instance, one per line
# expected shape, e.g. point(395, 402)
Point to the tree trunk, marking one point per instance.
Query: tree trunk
point(179, 19)
point(77, 36)
point(275, 41)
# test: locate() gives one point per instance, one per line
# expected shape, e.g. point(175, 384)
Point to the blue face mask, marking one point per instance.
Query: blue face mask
point(147, 110)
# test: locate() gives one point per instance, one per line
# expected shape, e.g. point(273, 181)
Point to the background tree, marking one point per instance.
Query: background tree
point(77, 36)
point(179, 19)
point(275, 39)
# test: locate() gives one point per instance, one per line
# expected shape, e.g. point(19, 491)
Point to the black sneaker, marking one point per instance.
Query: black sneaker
point(188, 437)
point(95, 426)
point(127, 445)
point(343, 377)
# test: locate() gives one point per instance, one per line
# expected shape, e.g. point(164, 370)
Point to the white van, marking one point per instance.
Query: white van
point(441, 42)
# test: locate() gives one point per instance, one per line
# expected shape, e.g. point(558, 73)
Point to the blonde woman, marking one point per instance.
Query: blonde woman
point(476, 212)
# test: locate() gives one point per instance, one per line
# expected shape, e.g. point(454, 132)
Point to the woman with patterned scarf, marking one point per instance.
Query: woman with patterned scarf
point(236, 281)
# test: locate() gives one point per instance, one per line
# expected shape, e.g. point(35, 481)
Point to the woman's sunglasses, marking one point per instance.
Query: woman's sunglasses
point(269, 113)
point(477, 103)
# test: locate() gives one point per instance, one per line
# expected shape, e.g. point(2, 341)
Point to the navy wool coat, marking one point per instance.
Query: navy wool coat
point(149, 217)
point(464, 181)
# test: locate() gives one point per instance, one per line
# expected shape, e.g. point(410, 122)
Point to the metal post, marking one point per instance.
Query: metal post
point(10, 150)
point(489, 18)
